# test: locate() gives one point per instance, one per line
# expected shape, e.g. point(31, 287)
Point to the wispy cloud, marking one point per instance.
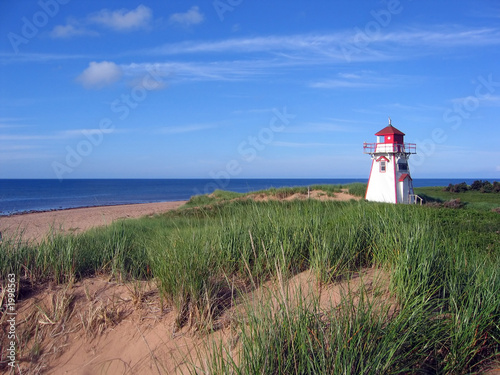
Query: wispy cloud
point(362, 80)
point(253, 110)
point(59, 135)
point(337, 83)
point(444, 36)
point(192, 17)
point(302, 144)
point(17, 147)
point(255, 44)
point(71, 30)
point(208, 71)
point(333, 45)
point(413, 107)
point(9, 156)
point(26, 137)
point(487, 100)
point(280, 50)
point(319, 127)
point(186, 128)
point(12, 58)
point(12, 122)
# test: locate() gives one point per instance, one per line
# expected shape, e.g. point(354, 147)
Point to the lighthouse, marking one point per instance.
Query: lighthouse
point(390, 179)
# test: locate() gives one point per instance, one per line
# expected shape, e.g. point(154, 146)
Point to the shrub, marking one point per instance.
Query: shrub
point(496, 187)
point(477, 185)
point(461, 187)
point(487, 187)
point(458, 188)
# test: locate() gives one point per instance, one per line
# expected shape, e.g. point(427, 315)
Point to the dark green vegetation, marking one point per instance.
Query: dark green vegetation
point(444, 268)
point(470, 198)
point(478, 185)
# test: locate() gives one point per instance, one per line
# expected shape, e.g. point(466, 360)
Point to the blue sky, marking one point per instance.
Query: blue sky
point(246, 88)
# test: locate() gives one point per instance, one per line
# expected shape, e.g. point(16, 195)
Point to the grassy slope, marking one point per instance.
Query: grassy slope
point(218, 196)
point(444, 267)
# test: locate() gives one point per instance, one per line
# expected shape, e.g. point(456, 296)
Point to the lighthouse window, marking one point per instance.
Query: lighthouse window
point(382, 166)
point(402, 166)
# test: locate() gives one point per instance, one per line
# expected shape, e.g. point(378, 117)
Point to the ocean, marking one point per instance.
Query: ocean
point(26, 195)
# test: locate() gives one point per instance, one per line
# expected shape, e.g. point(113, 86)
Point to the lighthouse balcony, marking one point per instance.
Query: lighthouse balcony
point(406, 148)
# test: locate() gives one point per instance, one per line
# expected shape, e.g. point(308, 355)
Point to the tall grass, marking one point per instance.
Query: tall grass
point(444, 267)
point(359, 336)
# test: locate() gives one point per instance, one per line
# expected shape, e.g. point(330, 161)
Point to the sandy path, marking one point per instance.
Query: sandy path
point(34, 226)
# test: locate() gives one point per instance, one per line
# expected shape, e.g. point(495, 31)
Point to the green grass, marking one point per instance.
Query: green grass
point(473, 199)
point(443, 264)
point(218, 196)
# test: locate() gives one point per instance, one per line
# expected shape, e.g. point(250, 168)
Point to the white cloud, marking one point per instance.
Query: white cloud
point(70, 30)
point(100, 74)
point(123, 19)
point(191, 17)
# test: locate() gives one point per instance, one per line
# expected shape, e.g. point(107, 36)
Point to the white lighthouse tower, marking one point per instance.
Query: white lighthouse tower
point(390, 179)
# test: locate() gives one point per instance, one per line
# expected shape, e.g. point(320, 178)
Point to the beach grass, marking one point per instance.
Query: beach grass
point(444, 316)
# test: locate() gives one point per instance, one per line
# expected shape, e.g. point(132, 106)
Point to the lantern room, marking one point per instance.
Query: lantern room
point(390, 134)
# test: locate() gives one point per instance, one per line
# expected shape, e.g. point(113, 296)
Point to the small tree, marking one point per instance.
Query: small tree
point(477, 185)
point(496, 187)
point(460, 188)
point(487, 187)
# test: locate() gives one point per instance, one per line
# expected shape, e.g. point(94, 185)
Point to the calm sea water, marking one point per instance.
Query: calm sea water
point(17, 196)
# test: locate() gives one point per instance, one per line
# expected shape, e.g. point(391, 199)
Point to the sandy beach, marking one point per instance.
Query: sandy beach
point(36, 225)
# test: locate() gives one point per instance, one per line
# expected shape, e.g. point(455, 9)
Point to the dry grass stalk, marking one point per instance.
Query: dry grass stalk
point(99, 317)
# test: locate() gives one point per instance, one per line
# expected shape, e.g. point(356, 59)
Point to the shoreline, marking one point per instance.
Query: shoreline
point(20, 213)
point(35, 226)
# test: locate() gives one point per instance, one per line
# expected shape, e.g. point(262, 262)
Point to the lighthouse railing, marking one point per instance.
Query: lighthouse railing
point(416, 199)
point(407, 148)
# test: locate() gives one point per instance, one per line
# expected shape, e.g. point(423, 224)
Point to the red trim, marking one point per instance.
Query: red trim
point(404, 176)
point(390, 130)
point(380, 166)
point(407, 148)
point(395, 182)
point(369, 178)
point(382, 157)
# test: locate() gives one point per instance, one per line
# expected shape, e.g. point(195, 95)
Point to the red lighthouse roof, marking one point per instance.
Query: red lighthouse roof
point(390, 130)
